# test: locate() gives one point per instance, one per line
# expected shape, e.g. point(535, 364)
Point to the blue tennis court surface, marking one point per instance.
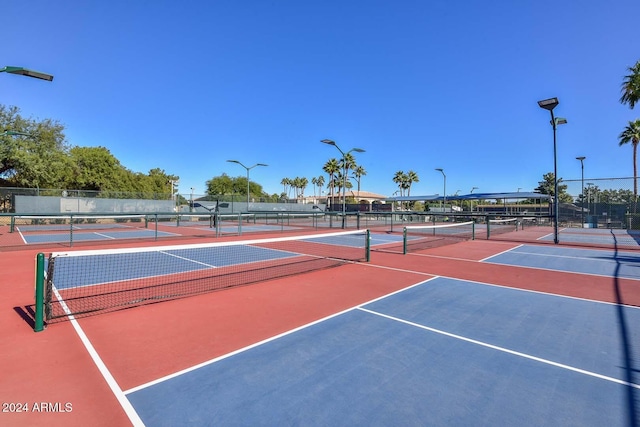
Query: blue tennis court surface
point(66, 227)
point(444, 352)
point(157, 263)
point(586, 261)
point(597, 236)
point(86, 236)
point(166, 261)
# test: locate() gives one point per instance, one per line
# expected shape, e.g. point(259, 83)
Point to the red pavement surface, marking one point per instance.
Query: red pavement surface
point(54, 370)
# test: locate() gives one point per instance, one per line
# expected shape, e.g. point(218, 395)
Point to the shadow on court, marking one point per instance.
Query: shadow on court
point(628, 362)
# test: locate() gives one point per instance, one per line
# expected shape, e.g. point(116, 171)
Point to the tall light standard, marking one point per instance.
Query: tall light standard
point(471, 200)
point(174, 185)
point(581, 158)
point(248, 168)
point(549, 105)
point(589, 185)
point(344, 174)
point(445, 188)
point(26, 72)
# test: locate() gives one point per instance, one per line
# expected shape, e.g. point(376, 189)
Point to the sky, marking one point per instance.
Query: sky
point(417, 84)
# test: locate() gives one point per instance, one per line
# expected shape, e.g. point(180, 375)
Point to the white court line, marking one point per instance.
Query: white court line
point(610, 260)
point(106, 374)
point(500, 253)
point(357, 307)
point(101, 235)
point(249, 347)
point(497, 286)
point(506, 350)
point(188, 259)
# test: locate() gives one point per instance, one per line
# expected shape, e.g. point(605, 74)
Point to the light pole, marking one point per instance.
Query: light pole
point(344, 175)
point(471, 200)
point(248, 169)
point(589, 185)
point(549, 105)
point(444, 189)
point(26, 72)
point(173, 183)
point(581, 158)
point(191, 204)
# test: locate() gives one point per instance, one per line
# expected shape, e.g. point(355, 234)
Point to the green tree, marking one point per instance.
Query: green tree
point(631, 86)
point(220, 185)
point(631, 135)
point(95, 168)
point(37, 159)
point(547, 186)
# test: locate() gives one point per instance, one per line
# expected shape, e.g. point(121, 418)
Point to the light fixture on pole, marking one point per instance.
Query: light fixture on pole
point(581, 158)
point(444, 189)
point(248, 168)
point(26, 72)
point(344, 174)
point(549, 105)
point(14, 133)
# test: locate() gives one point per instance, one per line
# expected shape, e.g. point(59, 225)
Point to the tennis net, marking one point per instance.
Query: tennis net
point(500, 226)
point(429, 236)
point(66, 223)
point(83, 282)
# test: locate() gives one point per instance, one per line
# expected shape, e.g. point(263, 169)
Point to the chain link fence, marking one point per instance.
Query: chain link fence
point(600, 203)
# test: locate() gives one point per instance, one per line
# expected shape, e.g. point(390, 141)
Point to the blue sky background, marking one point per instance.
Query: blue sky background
point(418, 84)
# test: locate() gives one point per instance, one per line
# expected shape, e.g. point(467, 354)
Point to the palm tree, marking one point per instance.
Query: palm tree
point(302, 184)
point(285, 182)
point(401, 178)
point(331, 168)
point(358, 173)
point(347, 162)
point(631, 86)
point(411, 178)
point(319, 183)
point(295, 185)
point(631, 134)
point(314, 182)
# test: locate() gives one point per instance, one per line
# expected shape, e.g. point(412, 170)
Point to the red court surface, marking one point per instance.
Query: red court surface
point(49, 378)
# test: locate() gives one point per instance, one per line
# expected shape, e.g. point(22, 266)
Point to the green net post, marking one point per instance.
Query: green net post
point(404, 241)
point(488, 221)
point(39, 316)
point(368, 246)
point(70, 230)
point(473, 230)
point(155, 231)
point(12, 224)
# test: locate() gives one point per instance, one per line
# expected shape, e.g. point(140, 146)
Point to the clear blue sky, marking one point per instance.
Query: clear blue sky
point(418, 84)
